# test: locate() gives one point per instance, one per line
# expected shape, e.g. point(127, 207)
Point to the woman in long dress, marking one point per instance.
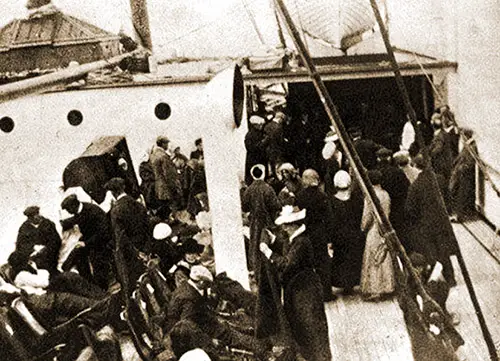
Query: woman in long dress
point(348, 241)
point(303, 301)
point(377, 274)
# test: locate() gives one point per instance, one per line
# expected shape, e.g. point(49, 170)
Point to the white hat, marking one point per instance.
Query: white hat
point(342, 179)
point(290, 214)
point(255, 119)
point(161, 231)
point(286, 166)
point(199, 273)
point(196, 354)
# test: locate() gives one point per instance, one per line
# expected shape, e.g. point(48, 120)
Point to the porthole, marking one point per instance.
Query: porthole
point(6, 124)
point(163, 111)
point(75, 117)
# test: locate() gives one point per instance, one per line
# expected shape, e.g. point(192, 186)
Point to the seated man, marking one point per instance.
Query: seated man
point(59, 298)
point(189, 302)
point(190, 250)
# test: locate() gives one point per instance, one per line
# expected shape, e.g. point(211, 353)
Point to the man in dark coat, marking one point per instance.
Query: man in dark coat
point(439, 149)
point(261, 201)
point(167, 184)
point(395, 182)
point(274, 141)
point(96, 235)
point(429, 229)
point(189, 302)
point(254, 146)
point(198, 153)
point(366, 149)
point(303, 308)
point(38, 238)
point(463, 182)
point(129, 222)
point(319, 223)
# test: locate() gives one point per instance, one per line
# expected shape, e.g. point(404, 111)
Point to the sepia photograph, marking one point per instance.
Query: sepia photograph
point(249, 180)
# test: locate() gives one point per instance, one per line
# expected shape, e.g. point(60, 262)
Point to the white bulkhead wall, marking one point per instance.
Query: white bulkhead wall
point(42, 142)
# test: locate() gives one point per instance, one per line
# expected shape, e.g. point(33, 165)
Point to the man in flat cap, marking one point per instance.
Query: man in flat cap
point(38, 238)
point(96, 236)
point(167, 183)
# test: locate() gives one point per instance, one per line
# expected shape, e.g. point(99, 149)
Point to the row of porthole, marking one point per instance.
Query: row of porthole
point(75, 117)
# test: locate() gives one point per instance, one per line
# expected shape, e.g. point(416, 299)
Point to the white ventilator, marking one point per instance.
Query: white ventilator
point(222, 111)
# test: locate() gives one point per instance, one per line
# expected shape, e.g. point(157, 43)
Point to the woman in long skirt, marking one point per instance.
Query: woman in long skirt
point(377, 274)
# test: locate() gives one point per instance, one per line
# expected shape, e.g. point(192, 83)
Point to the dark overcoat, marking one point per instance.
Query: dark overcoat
point(304, 309)
point(395, 182)
point(96, 232)
point(167, 184)
point(463, 183)
point(440, 153)
point(348, 242)
point(255, 151)
point(129, 222)
point(44, 234)
point(261, 201)
point(429, 230)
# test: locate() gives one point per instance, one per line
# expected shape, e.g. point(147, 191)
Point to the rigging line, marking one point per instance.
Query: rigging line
point(346, 143)
point(203, 26)
point(254, 23)
point(301, 25)
point(463, 267)
point(281, 36)
point(477, 158)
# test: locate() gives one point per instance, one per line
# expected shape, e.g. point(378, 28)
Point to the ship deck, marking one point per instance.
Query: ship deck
point(368, 331)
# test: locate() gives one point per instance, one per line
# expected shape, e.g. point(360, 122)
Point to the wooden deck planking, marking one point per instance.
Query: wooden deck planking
point(365, 331)
point(484, 271)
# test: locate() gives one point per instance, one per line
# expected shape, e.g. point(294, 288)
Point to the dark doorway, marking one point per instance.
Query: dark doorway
point(373, 105)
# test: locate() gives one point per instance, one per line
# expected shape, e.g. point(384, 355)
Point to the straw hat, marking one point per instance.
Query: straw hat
point(255, 119)
point(200, 273)
point(290, 214)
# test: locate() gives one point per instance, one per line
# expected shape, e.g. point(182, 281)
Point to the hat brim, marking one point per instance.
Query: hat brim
point(290, 218)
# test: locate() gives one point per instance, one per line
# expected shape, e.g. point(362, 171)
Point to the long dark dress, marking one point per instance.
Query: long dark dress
point(348, 242)
point(304, 309)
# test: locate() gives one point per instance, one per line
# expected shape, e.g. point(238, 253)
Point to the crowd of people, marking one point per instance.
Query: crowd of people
point(310, 232)
point(344, 244)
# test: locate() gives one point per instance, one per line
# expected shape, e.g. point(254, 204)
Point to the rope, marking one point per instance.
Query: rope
point(254, 23)
point(477, 159)
point(484, 328)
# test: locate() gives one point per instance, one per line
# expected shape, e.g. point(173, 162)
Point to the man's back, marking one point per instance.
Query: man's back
point(188, 304)
point(131, 217)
